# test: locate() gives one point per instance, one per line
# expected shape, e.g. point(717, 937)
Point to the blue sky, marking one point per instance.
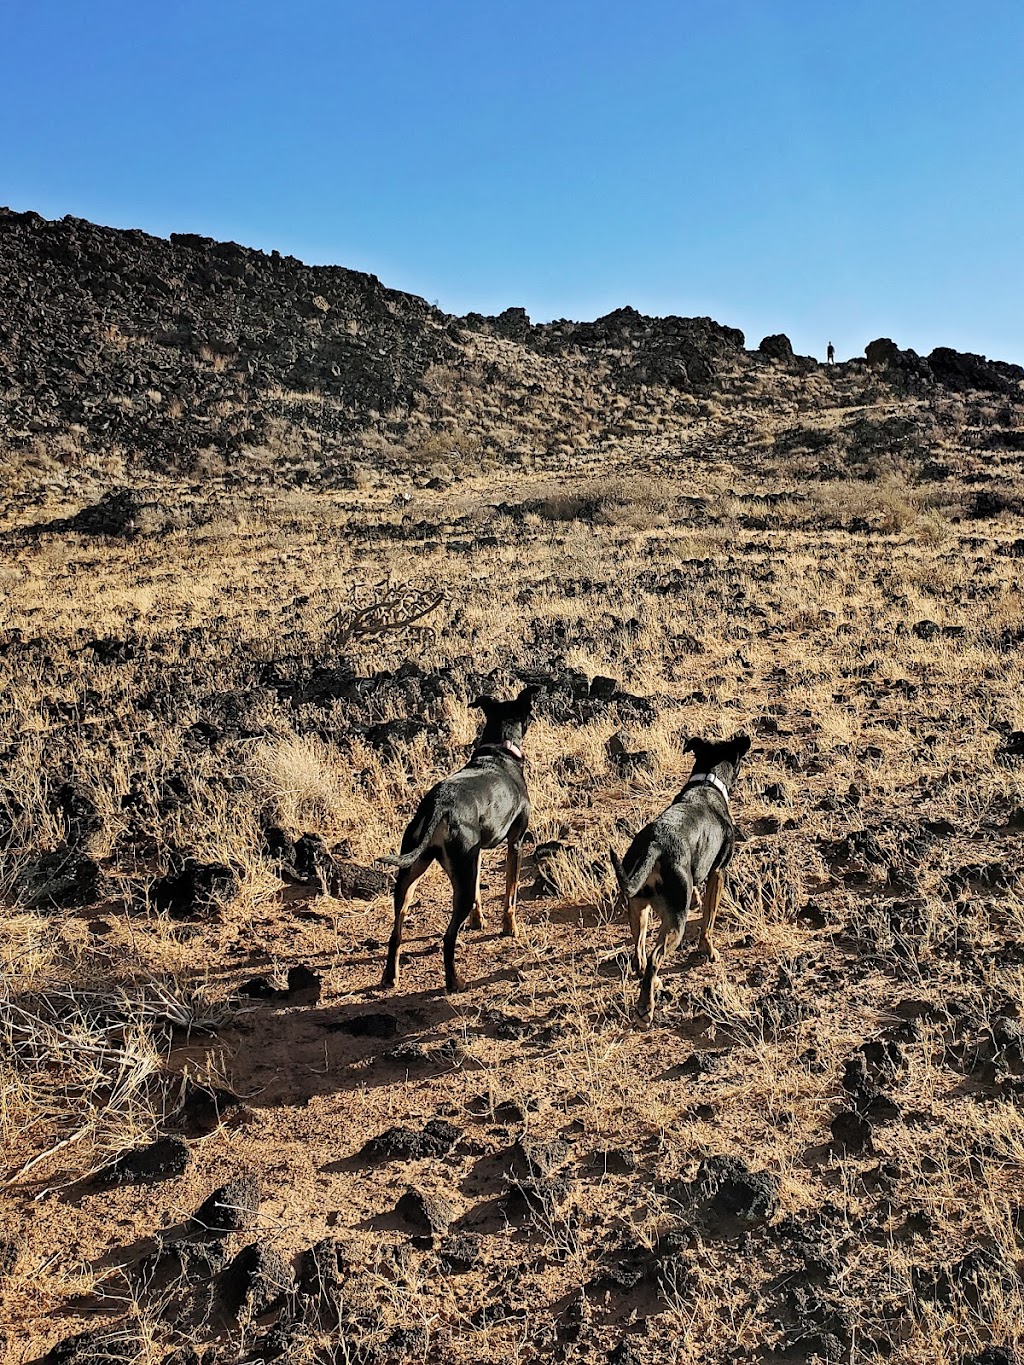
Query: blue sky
point(832, 170)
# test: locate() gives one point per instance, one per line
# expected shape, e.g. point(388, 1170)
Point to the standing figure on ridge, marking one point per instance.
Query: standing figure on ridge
point(831, 353)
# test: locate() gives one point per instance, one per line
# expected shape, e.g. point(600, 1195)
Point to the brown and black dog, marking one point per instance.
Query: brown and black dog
point(482, 805)
point(690, 843)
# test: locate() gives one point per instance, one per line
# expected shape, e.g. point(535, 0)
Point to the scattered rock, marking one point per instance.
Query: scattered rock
point(851, 1131)
point(118, 1345)
point(536, 1196)
point(319, 1299)
point(625, 1353)
point(976, 1278)
point(163, 1159)
point(304, 985)
point(203, 1109)
point(231, 1208)
point(436, 1139)
point(428, 1213)
point(256, 1280)
point(460, 1253)
point(881, 352)
point(995, 1355)
point(732, 1190)
point(777, 347)
point(536, 1157)
point(61, 880)
point(1012, 745)
point(78, 811)
point(195, 889)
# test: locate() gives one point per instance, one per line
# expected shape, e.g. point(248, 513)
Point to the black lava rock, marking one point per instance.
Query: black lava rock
point(734, 1191)
point(120, 1345)
point(436, 1139)
point(256, 1280)
point(195, 889)
point(851, 1131)
point(231, 1208)
point(459, 1253)
point(426, 1212)
point(163, 1159)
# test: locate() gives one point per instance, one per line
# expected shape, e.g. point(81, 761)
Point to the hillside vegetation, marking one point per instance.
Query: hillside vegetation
point(231, 666)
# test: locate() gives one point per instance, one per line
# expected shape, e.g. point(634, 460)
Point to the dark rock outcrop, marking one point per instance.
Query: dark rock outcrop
point(777, 347)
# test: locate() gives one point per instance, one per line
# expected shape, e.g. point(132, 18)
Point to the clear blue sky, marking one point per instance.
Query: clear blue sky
point(832, 170)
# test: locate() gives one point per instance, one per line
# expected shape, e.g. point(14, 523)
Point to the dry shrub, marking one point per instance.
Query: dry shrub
point(307, 787)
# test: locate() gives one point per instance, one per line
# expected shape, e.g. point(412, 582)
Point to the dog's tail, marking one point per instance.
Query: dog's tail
point(620, 875)
point(629, 886)
point(405, 860)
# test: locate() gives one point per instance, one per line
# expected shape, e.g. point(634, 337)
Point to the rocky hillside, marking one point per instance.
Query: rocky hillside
point(122, 354)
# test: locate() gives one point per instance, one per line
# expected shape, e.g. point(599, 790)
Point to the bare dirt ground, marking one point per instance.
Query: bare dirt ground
point(815, 1152)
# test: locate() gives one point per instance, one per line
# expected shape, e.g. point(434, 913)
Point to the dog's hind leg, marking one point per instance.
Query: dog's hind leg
point(674, 906)
point(712, 897)
point(639, 919)
point(513, 857)
point(476, 918)
point(672, 926)
point(464, 871)
point(405, 884)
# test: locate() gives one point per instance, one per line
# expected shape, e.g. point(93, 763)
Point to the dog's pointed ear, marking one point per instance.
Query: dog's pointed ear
point(482, 704)
point(527, 695)
point(741, 743)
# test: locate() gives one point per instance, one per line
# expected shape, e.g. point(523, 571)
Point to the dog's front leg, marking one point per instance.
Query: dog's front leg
point(513, 858)
point(476, 918)
point(712, 897)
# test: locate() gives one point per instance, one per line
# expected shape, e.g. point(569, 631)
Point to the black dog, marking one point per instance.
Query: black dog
point(689, 843)
point(478, 807)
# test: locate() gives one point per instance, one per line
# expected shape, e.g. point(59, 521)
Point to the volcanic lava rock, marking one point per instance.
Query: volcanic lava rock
point(194, 889)
point(63, 879)
point(118, 1345)
point(460, 1252)
point(994, 1355)
point(536, 1158)
point(1012, 745)
point(777, 347)
point(256, 1280)
point(231, 1208)
point(78, 811)
point(321, 1285)
point(426, 1212)
point(313, 863)
point(881, 352)
point(203, 1109)
point(851, 1131)
point(163, 1159)
point(436, 1139)
point(977, 1278)
point(731, 1190)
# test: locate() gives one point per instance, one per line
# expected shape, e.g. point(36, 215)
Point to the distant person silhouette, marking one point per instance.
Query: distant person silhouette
point(831, 353)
